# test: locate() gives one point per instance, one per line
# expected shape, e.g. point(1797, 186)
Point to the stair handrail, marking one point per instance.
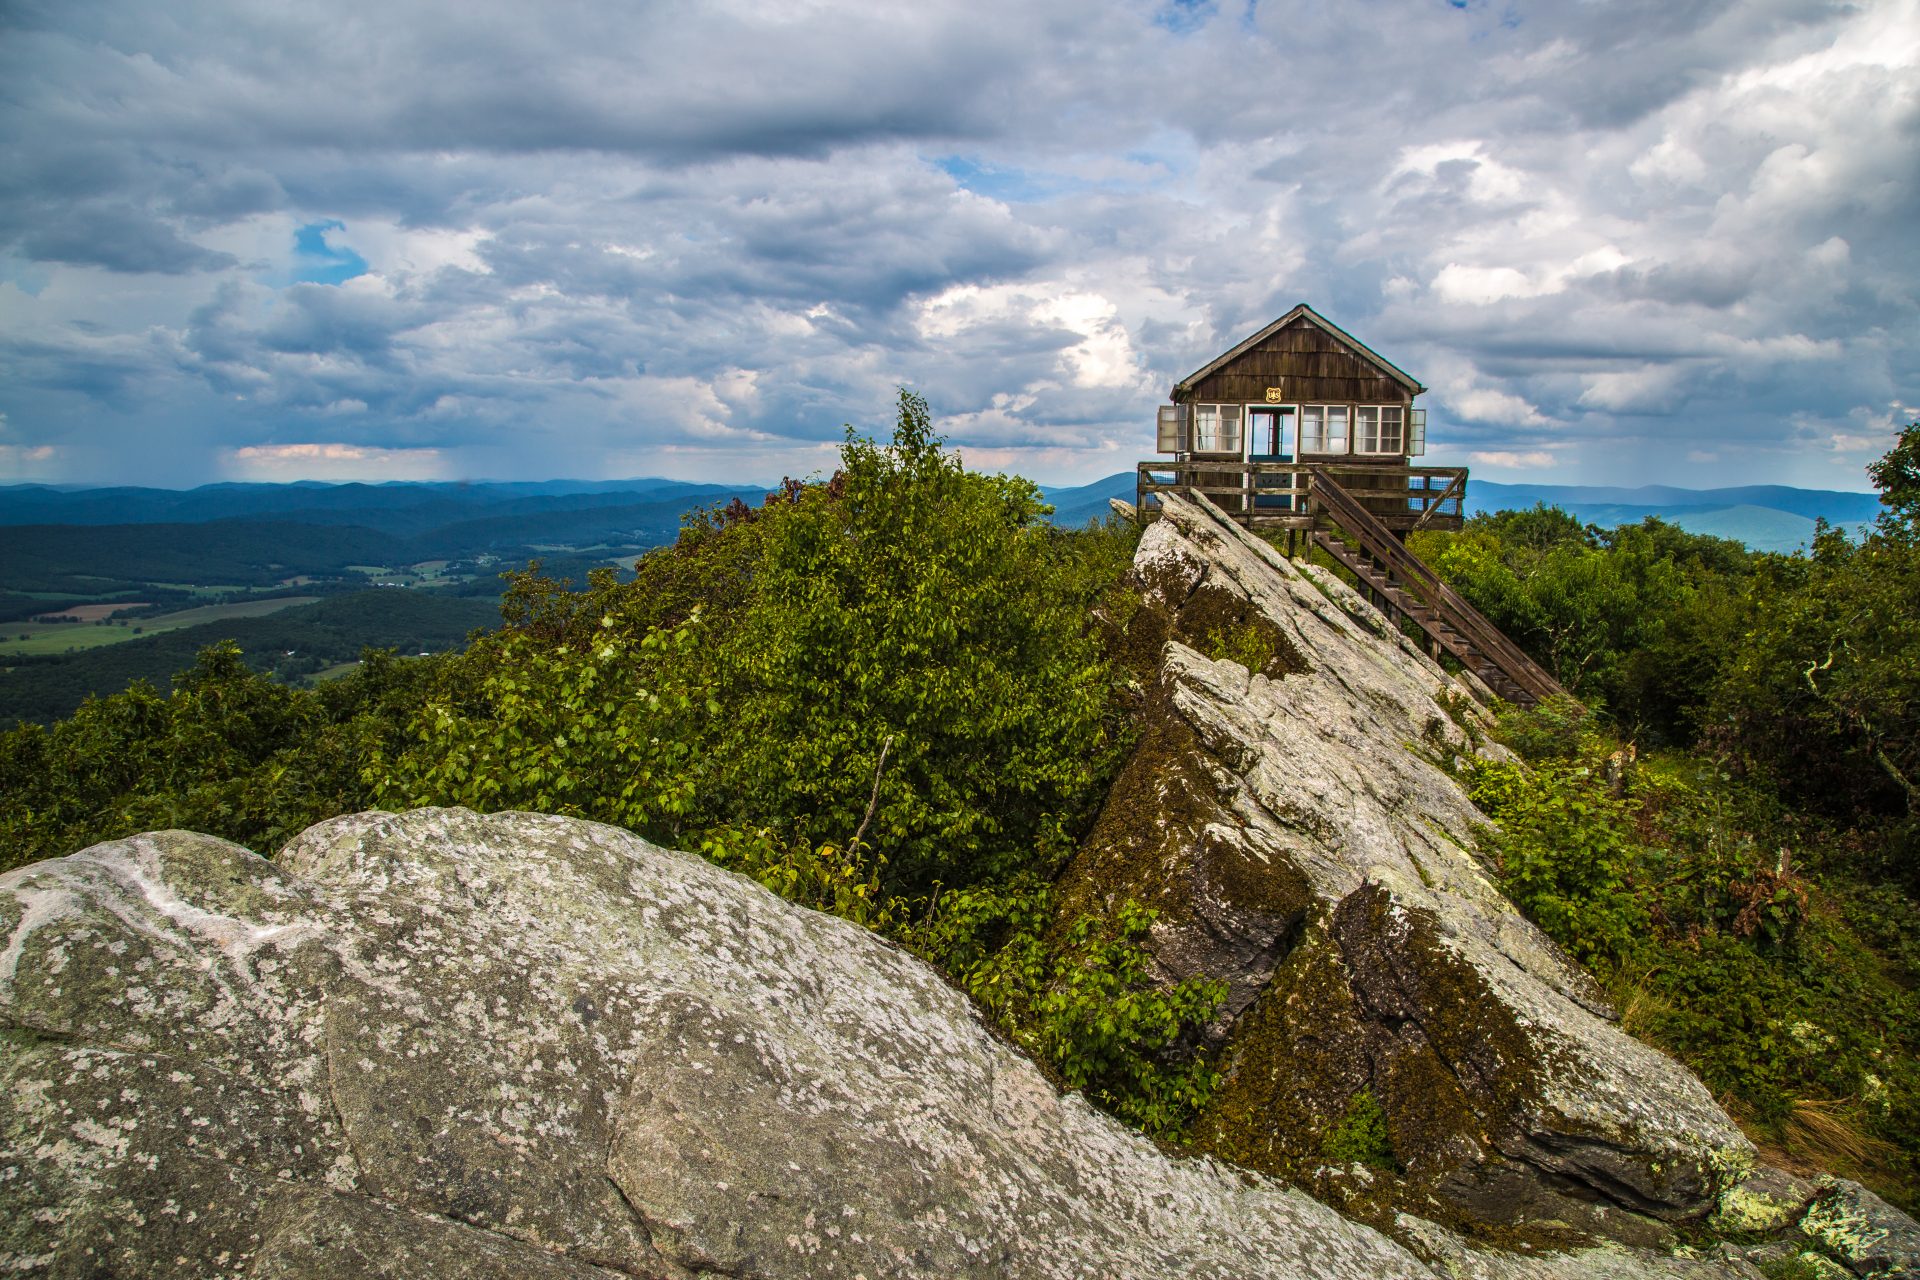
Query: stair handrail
point(1378, 541)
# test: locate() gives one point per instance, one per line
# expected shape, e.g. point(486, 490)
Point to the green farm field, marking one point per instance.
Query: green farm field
point(39, 638)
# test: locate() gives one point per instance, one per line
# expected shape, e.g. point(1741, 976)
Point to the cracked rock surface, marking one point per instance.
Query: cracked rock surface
point(441, 1044)
point(1301, 834)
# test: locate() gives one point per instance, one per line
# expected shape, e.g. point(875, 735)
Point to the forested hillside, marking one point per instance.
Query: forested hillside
point(901, 695)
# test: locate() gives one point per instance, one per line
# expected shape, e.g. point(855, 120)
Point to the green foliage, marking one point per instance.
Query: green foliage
point(1897, 477)
point(230, 753)
point(1799, 671)
point(1820, 693)
point(915, 603)
point(606, 729)
point(1244, 643)
point(1585, 607)
point(840, 881)
point(1361, 1135)
point(1732, 932)
point(1079, 998)
point(1564, 858)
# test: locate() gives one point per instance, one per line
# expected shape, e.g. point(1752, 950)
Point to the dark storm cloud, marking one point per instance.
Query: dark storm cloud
point(119, 239)
point(610, 239)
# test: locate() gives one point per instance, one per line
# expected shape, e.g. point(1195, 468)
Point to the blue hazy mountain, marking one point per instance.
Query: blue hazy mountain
point(450, 517)
point(1074, 506)
point(403, 508)
point(1764, 517)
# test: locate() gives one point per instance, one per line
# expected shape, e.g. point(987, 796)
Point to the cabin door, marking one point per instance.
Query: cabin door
point(1268, 431)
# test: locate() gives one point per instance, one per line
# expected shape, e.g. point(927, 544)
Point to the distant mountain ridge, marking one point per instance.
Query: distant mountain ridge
point(449, 517)
point(407, 508)
point(1770, 517)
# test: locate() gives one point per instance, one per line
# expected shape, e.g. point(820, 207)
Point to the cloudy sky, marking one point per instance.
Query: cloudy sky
point(1670, 241)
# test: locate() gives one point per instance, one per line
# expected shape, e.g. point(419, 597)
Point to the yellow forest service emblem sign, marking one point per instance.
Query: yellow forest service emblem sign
point(1276, 394)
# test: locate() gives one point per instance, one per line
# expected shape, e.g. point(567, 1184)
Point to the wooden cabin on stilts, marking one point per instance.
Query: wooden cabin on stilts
point(1304, 430)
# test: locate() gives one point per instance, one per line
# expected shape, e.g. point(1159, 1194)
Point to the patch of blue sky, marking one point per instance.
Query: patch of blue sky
point(1184, 16)
point(1014, 185)
point(1003, 182)
point(315, 261)
point(28, 277)
point(1509, 16)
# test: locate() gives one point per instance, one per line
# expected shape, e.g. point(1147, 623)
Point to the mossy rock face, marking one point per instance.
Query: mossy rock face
point(442, 1044)
point(1168, 839)
point(1307, 815)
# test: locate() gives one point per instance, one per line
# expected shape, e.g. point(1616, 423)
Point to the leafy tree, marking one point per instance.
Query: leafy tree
point(230, 753)
point(916, 611)
point(604, 729)
point(1897, 476)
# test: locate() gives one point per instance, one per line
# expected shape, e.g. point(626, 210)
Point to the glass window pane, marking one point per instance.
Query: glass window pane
point(1206, 428)
point(1313, 429)
point(1366, 429)
point(1336, 428)
point(1390, 435)
point(1167, 429)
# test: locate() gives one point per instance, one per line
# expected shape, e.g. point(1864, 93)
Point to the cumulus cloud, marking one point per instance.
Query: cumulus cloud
point(1655, 239)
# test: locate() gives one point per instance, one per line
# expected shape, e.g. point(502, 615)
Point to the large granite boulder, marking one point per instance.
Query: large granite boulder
point(1291, 811)
point(531, 1048)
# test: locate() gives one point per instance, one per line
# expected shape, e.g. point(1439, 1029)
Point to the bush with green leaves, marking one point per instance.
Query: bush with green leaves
point(914, 607)
point(1361, 1135)
point(1078, 996)
point(904, 652)
point(229, 752)
point(1731, 930)
point(605, 727)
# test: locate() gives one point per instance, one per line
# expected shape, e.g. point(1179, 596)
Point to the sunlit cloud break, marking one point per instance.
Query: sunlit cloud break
point(279, 462)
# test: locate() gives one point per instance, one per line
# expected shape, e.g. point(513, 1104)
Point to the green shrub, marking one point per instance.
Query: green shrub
point(605, 728)
point(1080, 1000)
point(840, 881)
point(1731, 935)
point(1565, 857)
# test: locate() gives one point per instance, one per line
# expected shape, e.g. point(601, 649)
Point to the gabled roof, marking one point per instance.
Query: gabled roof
point(1360, 349)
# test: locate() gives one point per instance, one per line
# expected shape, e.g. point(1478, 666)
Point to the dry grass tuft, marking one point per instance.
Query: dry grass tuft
point(1825, 1135)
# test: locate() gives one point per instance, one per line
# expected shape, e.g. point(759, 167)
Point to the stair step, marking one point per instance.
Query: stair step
point(1378, 578)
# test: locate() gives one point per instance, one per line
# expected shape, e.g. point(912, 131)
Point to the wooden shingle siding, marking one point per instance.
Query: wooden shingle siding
point(1312, 365)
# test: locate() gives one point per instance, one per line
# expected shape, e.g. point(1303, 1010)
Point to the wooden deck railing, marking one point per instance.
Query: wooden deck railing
point(1280, 493)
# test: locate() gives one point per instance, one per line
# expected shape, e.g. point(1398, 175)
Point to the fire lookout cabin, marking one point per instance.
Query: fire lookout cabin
point(1303, 428)
point(1251, 428)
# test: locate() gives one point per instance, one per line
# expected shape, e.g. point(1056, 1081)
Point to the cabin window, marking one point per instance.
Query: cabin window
point(1379, 428)
point(1323, 428)
point(1216, 428)
point(1170, 433)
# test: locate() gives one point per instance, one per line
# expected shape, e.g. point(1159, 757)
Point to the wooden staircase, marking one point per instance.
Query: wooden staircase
point(1403, 587)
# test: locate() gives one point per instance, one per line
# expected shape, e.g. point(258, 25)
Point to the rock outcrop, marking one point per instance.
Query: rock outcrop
point(1292, 814)
point(441, 1044)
